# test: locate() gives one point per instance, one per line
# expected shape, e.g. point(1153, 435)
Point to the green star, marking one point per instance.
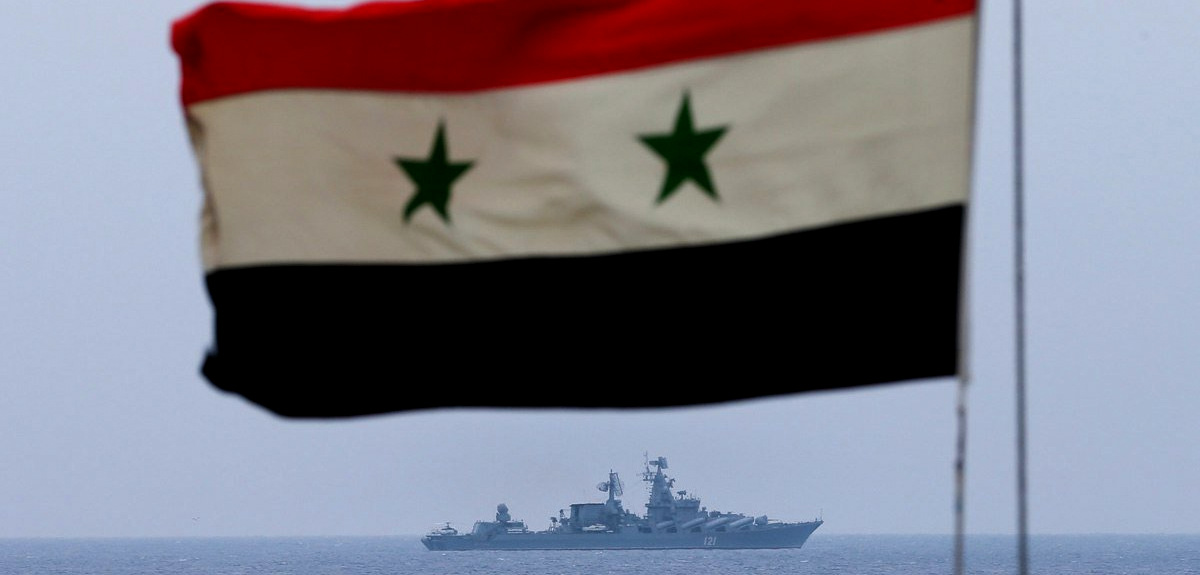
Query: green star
point(683, 150)
point(433, 177)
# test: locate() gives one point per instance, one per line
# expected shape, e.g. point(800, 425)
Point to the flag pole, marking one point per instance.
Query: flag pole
point(964, 371)
point(1019, 287)
point(960, 478)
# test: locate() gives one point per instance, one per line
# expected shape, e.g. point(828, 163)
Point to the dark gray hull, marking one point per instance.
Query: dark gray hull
point(782, 536)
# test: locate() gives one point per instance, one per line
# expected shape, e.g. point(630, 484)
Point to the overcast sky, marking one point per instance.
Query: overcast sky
point(107, 429)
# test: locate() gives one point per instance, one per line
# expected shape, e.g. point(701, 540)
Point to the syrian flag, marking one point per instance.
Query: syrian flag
point(601, 203)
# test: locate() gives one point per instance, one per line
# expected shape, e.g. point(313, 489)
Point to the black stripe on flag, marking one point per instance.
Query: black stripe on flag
point(854, 304)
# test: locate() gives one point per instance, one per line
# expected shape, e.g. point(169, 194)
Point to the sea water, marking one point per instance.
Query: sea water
point(823, 554)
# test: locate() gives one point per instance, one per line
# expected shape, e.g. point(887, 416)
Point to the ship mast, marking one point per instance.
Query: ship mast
point(661, 506)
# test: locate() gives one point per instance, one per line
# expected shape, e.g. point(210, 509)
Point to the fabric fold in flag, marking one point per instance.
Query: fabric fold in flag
point(530, 203)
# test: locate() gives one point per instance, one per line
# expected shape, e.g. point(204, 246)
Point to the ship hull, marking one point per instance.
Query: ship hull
point(786, 536)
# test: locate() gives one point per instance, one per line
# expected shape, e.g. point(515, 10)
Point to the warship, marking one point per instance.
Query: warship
point(673, 520)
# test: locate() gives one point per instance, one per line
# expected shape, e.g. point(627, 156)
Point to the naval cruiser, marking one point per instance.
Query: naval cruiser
point(673, 520)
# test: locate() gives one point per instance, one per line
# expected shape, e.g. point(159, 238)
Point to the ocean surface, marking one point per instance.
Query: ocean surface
point(823, 554)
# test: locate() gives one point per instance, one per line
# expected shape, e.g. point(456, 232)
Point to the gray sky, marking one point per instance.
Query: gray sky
point(106, 428)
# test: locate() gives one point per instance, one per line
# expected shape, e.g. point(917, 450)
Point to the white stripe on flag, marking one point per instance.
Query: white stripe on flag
point(818, 134)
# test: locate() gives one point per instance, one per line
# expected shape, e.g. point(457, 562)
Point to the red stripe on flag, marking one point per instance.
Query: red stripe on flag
point(231, 48)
